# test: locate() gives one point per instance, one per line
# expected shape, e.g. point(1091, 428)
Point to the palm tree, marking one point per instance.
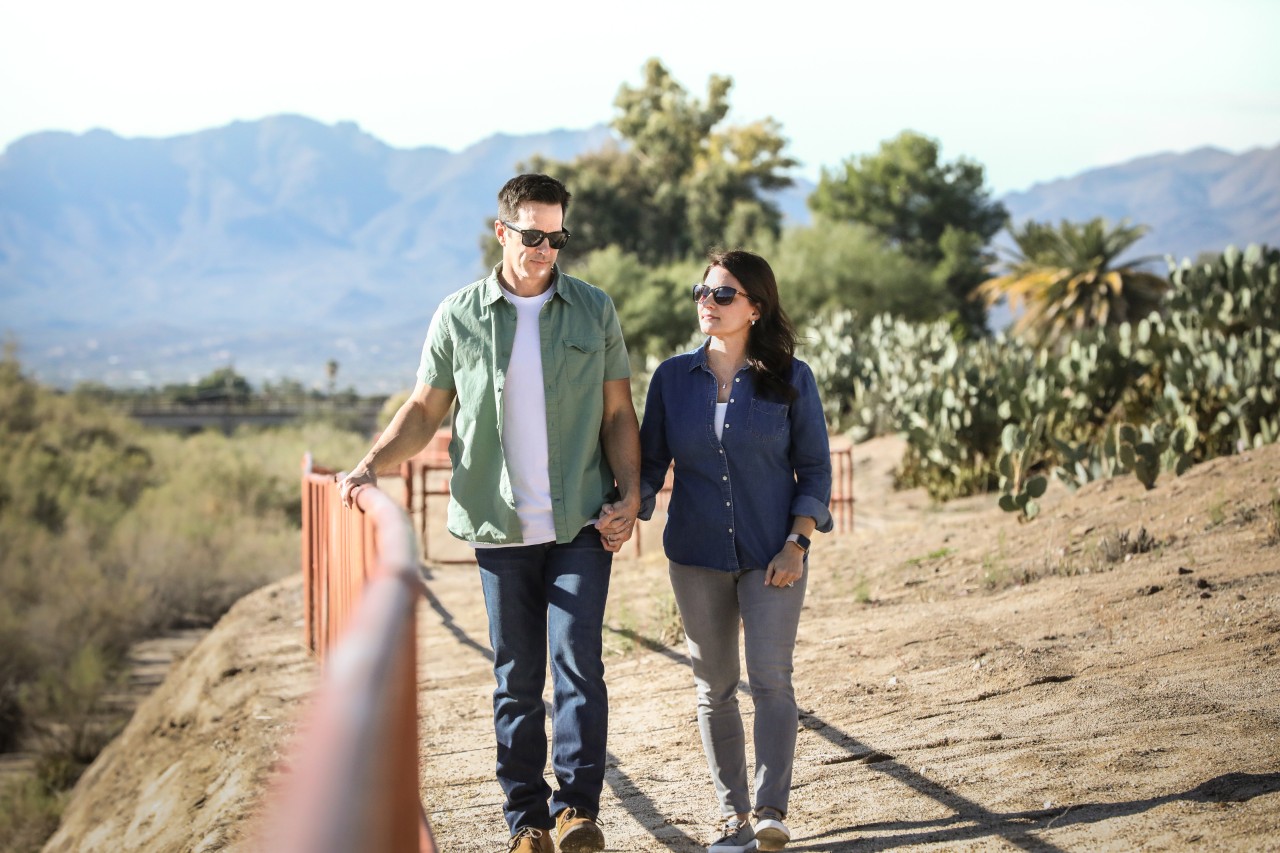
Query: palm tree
point(1067, 279)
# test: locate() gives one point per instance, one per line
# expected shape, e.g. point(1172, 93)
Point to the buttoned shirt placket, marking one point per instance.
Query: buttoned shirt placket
point(726, 484)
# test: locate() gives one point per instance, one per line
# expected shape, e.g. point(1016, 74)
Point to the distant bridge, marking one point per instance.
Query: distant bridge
point(228, 416)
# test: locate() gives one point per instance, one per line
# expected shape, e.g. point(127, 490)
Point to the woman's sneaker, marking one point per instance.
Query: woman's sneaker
point(771, 832)
point(738, 837)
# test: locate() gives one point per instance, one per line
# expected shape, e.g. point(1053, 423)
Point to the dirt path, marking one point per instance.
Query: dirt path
point(966, 683)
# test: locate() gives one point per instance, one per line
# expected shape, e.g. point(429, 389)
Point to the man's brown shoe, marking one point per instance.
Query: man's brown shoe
point(578, 832)
point(531, 840)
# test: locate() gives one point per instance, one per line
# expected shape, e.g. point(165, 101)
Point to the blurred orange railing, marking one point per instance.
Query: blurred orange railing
point(352, 778)
point(842, 488)
point(427, 474)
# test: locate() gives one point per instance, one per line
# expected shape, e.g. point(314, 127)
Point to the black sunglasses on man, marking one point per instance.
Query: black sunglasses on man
point(532, 237)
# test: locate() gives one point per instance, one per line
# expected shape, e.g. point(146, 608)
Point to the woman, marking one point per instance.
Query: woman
point(741, 418)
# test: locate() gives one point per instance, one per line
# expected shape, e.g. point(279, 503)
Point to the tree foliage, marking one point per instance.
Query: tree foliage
point(655, 306)
point(846, 265)
point(676, 183)
point(223, 385)
point(1068, 278)
point(938, 213)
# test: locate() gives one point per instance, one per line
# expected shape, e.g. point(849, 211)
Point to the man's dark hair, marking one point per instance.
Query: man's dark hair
point(523, 189)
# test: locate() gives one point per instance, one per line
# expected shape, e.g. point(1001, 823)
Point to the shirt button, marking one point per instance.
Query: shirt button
point(727, 503)
point(726, 426)
point(730, 399)
point(730, 529)
point(737, 379)
point(724, 478)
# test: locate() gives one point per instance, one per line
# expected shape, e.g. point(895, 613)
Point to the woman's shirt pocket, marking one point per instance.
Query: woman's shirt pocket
point(767, 421)
point(584, 360)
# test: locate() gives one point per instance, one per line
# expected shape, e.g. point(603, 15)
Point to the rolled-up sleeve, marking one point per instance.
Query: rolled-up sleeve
point(810, 451)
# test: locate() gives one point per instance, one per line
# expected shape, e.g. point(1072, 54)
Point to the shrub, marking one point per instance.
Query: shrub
point(112, 533)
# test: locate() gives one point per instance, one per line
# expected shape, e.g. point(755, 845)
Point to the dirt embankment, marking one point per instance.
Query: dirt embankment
point(1104, 678)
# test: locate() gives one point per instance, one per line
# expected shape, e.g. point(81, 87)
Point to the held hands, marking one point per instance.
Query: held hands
point(616, 524)
point(353, 482)
point(786, 567)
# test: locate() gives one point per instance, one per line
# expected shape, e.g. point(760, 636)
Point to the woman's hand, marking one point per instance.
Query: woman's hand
point(786, 567)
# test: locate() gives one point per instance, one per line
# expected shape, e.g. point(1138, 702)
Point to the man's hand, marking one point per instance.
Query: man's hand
point(357, 479)
point(414, 424)
point(616, 524)
point(620, 439)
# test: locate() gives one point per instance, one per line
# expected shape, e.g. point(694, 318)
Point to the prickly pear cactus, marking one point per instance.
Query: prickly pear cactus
point(1019, 451)
point(1147, 397)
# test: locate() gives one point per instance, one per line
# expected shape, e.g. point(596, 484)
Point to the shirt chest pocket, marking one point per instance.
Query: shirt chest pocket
point(584, 360)
point(767, 421)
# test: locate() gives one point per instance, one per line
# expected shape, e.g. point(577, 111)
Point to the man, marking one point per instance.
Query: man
point(543, 427)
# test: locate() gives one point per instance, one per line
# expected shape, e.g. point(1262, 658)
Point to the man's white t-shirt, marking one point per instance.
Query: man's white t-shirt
point(524, 428)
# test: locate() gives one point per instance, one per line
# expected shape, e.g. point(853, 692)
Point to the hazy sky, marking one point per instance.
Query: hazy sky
point(1032, 90)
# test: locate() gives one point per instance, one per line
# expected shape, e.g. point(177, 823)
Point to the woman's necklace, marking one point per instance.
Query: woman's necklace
point(732, 373)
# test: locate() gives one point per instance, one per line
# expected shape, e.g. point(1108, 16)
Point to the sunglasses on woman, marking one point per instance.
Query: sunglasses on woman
point(723, 295)
point(532, 237)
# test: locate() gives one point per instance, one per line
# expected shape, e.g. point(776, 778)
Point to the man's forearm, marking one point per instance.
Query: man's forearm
point(412, 427)
point(620, 437)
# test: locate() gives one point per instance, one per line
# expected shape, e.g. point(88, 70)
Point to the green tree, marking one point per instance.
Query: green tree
point(223, 385)
point(846, 265)
point(675, 184)
point(655, 304)
point(935, 212)
point(1067, 278)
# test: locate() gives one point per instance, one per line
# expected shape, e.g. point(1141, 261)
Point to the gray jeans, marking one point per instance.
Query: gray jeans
point(712, 604)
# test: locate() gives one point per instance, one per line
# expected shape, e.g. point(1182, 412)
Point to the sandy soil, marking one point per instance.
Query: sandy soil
point(1104, 678)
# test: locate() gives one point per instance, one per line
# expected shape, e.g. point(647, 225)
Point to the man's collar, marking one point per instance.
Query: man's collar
point(493, 289)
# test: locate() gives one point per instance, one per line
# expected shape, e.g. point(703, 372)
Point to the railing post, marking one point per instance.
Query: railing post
point(842, 488)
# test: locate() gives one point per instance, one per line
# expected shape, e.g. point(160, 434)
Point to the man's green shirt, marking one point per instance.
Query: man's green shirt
point(468, 349)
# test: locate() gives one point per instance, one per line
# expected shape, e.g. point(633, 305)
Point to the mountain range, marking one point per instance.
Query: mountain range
point(279, 244)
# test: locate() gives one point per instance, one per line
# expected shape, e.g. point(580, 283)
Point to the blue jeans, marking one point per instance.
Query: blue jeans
point(540, 596)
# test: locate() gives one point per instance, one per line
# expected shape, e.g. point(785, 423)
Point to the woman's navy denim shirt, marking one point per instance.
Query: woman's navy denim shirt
point(733, 498)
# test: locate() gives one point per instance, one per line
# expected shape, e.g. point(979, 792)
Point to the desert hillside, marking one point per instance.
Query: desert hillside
point(1103, 678)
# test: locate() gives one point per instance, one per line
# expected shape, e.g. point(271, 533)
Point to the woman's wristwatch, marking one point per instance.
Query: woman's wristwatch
point(801, 541)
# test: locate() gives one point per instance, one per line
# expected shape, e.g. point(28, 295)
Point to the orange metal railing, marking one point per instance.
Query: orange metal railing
point(842, 489)
point(427, 474)
point(352, 781)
